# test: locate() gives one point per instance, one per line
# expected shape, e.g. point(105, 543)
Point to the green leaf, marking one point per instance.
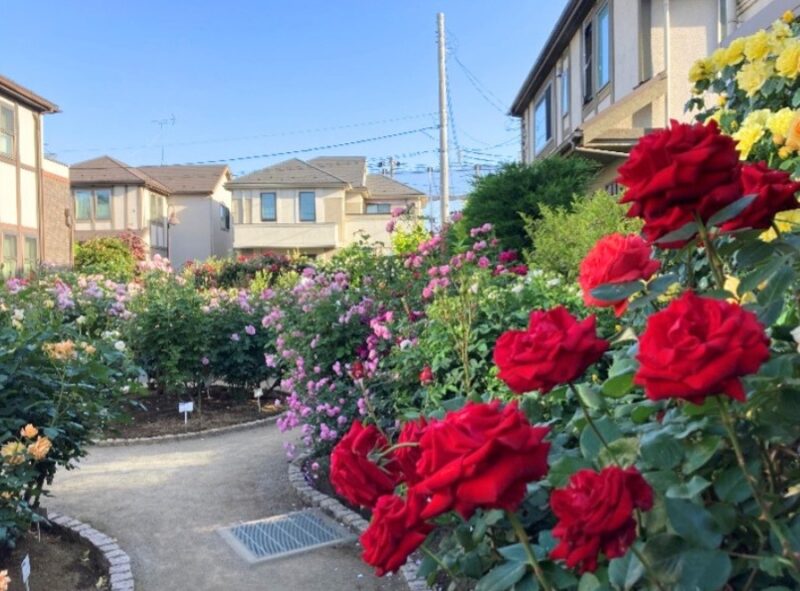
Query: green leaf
point(589, 442)
point(679, 568)
point(661, 283)
point(618, 386)
point(683, 233)
point(563, 468)
point(514, 553)
point(662, 451)
point(688, 490)
point(589, 396)
point(642, 413)
point(589, 582)
point(700, 452)
point(613, 292)
point(625, 572)
point(731, 486)
point(623, 450)
point(528, 583)
point(693, 523)
point(502, 577)
point(731, 211)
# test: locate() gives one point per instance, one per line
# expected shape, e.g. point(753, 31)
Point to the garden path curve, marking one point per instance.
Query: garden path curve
point(165, 501)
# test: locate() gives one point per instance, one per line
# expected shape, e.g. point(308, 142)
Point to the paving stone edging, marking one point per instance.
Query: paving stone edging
point(192, 435)
point(345, 515)
point(105, 549)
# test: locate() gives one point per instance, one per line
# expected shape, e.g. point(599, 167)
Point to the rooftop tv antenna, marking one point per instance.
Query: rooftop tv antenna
point(162, 123)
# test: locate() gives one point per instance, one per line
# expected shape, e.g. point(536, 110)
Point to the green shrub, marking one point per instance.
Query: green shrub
point(523, 189)
point(111, 257)
point(562, 236)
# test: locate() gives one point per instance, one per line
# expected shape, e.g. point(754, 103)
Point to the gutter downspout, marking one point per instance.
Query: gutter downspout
point(667, 61)
point(730, 17)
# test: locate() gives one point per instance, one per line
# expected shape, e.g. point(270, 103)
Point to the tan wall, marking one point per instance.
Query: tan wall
point(57, 215)
point(8, 193)
point(221, 240)
point(373, 226)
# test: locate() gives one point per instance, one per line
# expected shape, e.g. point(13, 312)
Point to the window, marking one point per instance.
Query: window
point(645, 40)
point(7, 131)
point(308, 206)
point(83, 205)
point(588, 51)
point(565, 87)
point(603, 47)
point(30, 254)
point(157, 209)
point(102, 204)
point(373, 208)
point(9, 255)
point(224, 218)
point(542, 124)
point(268, 207)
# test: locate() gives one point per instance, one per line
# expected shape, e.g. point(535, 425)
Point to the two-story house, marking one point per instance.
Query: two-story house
point(612, 70)
point(35, 210)
point(314, 207)
point(180, 212)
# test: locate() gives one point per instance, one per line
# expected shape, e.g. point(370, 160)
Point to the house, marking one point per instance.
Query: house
point(180, 212)
point(608, 73)
point(35, 213)
point(314, 207)
point(200, 205)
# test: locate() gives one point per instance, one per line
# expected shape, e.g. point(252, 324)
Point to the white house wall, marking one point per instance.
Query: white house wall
point(8, 194)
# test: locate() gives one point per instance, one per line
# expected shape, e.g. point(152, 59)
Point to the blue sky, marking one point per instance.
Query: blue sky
point(248, 77)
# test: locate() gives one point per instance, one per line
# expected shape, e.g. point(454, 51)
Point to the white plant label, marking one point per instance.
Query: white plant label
point(26, 569)
point(186, 407)
point(258, 393)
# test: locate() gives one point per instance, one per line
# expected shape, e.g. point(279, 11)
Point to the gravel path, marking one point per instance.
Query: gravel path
point(164, 503)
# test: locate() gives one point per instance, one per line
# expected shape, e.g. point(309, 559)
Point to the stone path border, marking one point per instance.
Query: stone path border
point(191, 435)
point(104, 547)
point(345, 515)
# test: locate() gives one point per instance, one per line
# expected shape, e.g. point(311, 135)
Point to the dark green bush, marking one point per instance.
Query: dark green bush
point(111, 257)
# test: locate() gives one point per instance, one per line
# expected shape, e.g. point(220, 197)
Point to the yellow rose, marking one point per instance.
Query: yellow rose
point(746, 138)
point(60, 351)
point(778, 123)
point(29, 431)
point(700, 70)
point(788, 62)
point(788, 17)
point(781, 29)
point(793, 135)
point(787, 221)
point(758, 117)
point(756, 47)
point(13, 452)
point(752, 76)
point(728, 56)
point(40, 448)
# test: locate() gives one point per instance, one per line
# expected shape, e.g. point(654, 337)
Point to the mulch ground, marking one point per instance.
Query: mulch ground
point(57, 564)
point(160, 416)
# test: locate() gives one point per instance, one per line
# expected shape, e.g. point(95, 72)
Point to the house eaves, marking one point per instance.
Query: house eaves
point(568, 24)
point(23, 95)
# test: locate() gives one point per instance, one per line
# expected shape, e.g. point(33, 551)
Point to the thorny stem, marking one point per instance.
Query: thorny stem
point(711, 253)
point(592, 424)
point(648, 569)
point(438, 561)
point(522, 536)
point(727, 422)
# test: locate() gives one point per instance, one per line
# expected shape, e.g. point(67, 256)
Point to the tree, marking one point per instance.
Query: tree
point(521, 189)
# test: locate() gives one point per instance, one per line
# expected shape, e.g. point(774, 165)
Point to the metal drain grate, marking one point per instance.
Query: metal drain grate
point(284, 535)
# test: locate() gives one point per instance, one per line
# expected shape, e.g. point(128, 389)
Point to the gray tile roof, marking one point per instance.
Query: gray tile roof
point(384, 186)
point(187, 179)
point(108, 171)
point(353, 169)
point(292, 172)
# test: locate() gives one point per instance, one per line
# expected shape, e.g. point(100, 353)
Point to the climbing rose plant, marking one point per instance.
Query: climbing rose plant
point(659, 454)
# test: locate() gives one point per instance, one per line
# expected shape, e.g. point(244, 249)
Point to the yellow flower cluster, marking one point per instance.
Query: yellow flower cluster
point(61, 351)
point(784, 125)
point(13, 452)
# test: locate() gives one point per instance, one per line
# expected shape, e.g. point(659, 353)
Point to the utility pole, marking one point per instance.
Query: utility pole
point(444, 169)
point(391, 167)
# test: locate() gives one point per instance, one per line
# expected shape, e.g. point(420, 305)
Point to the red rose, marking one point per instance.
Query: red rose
point(676, 173)
point(355, 471)
point(520, 270)
point(699, 347)
point(507, 256)
point(426, 376)
point(615, 259)
point(394, 532)
point(357, 370)
point(554, 350)
point(407, 455)
point(595, 513)
point(774, 191)
point(481, 456)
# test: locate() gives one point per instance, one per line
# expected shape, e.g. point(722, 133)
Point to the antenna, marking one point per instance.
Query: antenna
point(161, 124)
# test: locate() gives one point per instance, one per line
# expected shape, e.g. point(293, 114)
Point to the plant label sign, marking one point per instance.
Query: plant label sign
point(257, 395)
point(185, 408)
point(26, 570)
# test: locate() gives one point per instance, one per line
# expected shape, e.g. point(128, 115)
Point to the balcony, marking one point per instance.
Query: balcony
point(284, 236)
point(373, 225)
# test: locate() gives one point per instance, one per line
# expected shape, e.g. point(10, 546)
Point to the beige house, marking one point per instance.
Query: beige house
point(35, 217)
point(314, 207)
point(199, 211)
point(180, 212)
point(612, 70)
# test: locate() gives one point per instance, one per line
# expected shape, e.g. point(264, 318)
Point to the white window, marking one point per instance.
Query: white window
point(83, 205)
point(375, 208)
point(7, 131)
point(542, 126)
point(603, 47)
point(269, 212)
point(102, 204)
point(564, 87)
point(308, 206)
point(9, 268)
point(93, 204)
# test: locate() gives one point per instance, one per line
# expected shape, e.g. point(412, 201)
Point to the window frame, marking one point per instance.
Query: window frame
point(224, 218)
point(387, 208)
point(95, 200)
point(300, 196)
point(546, 100)
point(593, 91)
point(88, 208)
point(606, 7)
point(29, 263)
point(587, 60)
point(12, 133)
point(646, 40)
point(274, 197)
point(12, 238)
point(564, 102)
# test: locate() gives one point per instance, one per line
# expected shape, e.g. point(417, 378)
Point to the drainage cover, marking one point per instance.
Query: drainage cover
point(284, 535)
